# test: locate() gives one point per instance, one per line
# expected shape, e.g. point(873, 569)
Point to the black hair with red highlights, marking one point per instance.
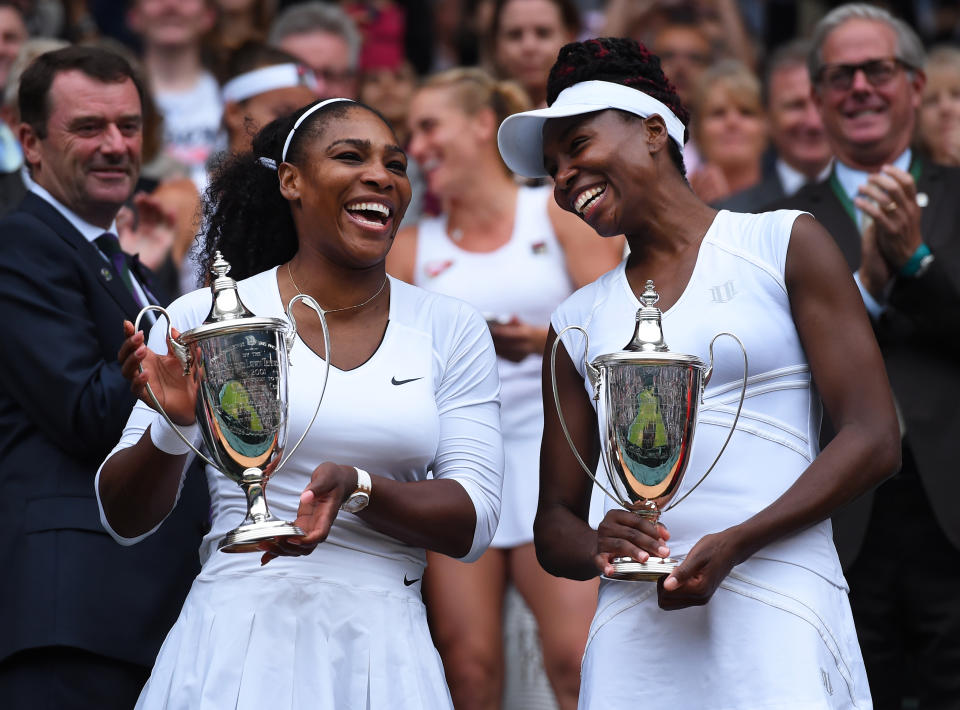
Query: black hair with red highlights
point(619, 61)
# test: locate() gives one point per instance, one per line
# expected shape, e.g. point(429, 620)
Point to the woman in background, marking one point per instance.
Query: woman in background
point(512, 253)
point(526, 36)
point(938, 126)
point(730, 128)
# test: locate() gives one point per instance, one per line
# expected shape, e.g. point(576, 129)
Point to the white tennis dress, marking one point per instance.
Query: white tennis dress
point(343, 628)
point(526, 277)
point(778, 633)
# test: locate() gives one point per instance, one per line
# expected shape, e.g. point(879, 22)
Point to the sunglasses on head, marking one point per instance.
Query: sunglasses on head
point(878, 72)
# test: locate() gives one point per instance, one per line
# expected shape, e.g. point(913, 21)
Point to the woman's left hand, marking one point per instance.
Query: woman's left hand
point(329, 487)
point(695, 580)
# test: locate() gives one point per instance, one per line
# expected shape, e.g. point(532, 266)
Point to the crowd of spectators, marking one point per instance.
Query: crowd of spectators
point(217, 71)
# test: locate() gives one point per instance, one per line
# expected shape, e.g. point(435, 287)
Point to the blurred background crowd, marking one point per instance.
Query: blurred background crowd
point(218, 70)
point(740, 67)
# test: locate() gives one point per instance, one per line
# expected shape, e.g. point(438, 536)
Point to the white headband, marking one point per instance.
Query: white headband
point(260, 81)
point(303, 116)
point(521, 135)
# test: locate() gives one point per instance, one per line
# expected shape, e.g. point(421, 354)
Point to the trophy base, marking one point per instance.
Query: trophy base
point(247, 538)
point(627, 570)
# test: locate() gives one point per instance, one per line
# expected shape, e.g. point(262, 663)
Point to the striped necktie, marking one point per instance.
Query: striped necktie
point(109, 244)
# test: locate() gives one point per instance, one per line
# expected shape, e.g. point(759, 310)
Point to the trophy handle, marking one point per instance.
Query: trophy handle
point(736, 418)
point(183, 355)
point(593, 374)
point(289, 337)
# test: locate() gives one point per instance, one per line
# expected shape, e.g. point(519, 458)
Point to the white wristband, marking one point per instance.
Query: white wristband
point(166, 439)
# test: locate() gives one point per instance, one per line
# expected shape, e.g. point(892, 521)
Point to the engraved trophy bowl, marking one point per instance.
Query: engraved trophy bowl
point(647, 403)
point(239, 363)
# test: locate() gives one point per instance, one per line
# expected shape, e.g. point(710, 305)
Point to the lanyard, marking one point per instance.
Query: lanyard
point(916, 167)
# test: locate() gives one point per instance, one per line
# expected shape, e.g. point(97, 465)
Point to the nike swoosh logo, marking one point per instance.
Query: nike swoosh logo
point(408, 582)
point(395, 381)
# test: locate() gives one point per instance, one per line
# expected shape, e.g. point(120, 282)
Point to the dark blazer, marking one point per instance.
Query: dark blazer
point(919, 336)
point(756, 198)
point(63, 405)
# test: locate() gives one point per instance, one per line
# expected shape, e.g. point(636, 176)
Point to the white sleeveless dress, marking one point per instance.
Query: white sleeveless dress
point(778, 633)
point(526, 277)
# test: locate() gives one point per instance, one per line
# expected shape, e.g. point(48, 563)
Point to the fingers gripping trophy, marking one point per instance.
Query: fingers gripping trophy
point(647, 403)
point(239, 363)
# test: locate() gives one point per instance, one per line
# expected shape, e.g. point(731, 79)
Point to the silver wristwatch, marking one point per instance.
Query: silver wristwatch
point(359, 499)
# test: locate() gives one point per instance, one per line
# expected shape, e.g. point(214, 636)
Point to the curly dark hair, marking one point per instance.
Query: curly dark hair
point(620, 61)
point(246, 218)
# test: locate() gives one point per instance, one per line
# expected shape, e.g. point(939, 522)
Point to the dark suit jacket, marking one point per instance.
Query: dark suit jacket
point(919, 336)
point(63, 405)
point(756, 198)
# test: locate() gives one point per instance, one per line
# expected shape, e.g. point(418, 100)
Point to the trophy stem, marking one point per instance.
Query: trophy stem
point(259, 525)
point(252, 485)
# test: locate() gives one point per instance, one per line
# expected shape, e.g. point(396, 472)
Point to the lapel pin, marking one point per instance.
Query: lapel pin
point(922, 199)
point(106, 274)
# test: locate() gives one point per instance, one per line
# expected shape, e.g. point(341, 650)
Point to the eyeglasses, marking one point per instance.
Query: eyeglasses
point(878, 72)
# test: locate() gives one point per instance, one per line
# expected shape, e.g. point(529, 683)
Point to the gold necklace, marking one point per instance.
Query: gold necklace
point(345, 308)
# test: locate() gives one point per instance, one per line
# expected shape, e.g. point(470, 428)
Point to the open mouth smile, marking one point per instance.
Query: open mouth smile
point(370, 214)
point(587, 199)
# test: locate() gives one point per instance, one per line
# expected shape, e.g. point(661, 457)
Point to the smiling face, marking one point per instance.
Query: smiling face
point(349, 190)
point(867, 125)
point(445, 141)
point(530, 35)
point(940, 113)
point(171, 23)
point(732, 131)
point(90, 157)
point(795, 126)
point(599, 162)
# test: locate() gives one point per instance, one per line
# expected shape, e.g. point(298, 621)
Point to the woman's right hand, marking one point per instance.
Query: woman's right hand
point(176, 392)
point(623, 533)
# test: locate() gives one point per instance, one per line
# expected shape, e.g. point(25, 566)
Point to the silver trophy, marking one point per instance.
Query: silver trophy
point(647, 402)
point(239, 364)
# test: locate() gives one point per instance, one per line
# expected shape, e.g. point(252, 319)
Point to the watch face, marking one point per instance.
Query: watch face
point(356, 502)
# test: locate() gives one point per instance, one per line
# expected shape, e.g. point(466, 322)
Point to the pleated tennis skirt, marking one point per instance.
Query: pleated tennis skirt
point(774, 636)
point(358, 641)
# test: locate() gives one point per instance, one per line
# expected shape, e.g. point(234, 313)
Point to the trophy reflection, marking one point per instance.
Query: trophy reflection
point(239, 364)
point(647, 403)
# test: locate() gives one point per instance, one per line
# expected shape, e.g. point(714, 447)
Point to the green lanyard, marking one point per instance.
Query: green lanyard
point(916, 167)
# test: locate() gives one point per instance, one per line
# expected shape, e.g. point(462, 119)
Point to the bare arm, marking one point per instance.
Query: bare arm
point(847, 367)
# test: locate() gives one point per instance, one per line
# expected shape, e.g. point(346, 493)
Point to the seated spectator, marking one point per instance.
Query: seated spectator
point(802, 152)
point(730, 129)
point(939, 124)
point(324, 38)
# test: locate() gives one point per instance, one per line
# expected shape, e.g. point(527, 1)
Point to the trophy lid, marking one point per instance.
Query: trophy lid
point(647, 343)
point(228, 314)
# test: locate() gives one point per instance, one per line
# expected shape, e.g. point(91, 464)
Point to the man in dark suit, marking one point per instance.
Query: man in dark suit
point(802, 153)
point(82, 617)
point(896, 218)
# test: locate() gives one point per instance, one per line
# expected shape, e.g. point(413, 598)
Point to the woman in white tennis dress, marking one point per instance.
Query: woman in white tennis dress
point(509, 251)
point(413, 389)
point(756, 615)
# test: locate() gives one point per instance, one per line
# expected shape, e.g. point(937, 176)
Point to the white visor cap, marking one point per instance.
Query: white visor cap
point(521, 135)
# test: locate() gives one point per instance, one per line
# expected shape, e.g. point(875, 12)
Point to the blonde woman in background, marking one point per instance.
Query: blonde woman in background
point(938, 127)
point(512, 253)
point(730, 128)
